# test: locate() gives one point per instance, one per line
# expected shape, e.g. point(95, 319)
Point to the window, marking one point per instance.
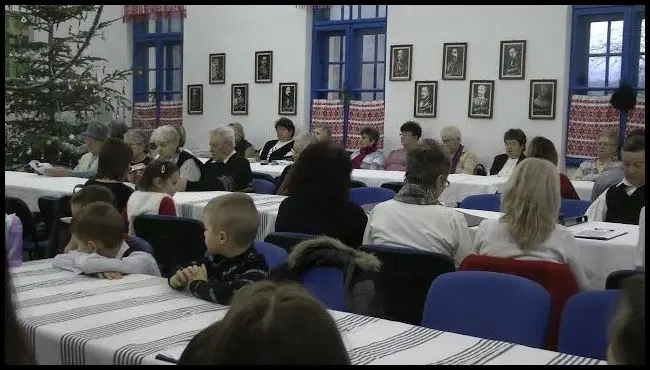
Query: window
point(158, 61)
point(15, 31)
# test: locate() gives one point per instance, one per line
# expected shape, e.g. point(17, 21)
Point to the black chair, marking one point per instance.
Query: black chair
point(34, 242)
point(50, 208)
point(616, 279)
point(263, 176)
point(176, 241)
point(404, 279)
point(357, 184)
point(287, 240)
point(394, 186)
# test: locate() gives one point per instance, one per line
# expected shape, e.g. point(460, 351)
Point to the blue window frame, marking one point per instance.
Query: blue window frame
point(158, 61)
point(607, 47)
point(348, 54)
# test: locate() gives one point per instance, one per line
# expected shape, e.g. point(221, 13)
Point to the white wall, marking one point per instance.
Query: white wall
point(546, 28)
point(239, 31)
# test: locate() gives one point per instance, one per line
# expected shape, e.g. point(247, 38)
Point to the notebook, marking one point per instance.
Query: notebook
point(598, 233)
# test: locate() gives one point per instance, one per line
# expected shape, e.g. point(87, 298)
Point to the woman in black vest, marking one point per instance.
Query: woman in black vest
point(282, 148)
point(168, 145)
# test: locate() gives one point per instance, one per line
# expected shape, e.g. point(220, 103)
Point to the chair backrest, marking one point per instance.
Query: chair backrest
point(326, 284)
point(139, 244)
point(357, 184)
point(574, 207)
point(287, 240)
point(615, 279)
point(20, 208)
point(52, 208)
point(261, 186)
point(558, 279)
point(483, 202)
point(489, 305)
point(273, 255)
point(176, 241)
point(394, 186)
point(585, 320)
point(404, 279)
point(263, 176)
point(370, 195)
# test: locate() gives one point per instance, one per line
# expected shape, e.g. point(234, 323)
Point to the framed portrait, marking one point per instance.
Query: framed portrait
point(239, 99)
point(288, 99)
point(401, 59)
point(425, 99)
point(454, 61)
point(541, 103)
point(481, 99)
point(263, 67)
point(217, 69)
point(194, 99)
point(512, 63)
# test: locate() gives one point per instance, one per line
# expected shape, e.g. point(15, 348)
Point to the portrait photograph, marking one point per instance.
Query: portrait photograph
point(454, 61)
point(288, 99)
point(481, 99)
point(263, 67)
point(217, 68)
point(194, 99)
point(400, 62)
point(512, 63)
point(425, 99)
point(239, 99)
point(541, 104)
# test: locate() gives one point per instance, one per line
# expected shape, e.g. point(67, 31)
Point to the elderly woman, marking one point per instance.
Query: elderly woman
point(94, 137)
point(242, 146)
point(369, 157)
point(515, 142)
point(415, 218)
point(528, 229)
point(300, 143)
point(590, 169)
point(410, 133)
point(462, 160)
point(323, 133)
point(282, 148)
point(168, 145)
point(140, 159)
point(543, 148)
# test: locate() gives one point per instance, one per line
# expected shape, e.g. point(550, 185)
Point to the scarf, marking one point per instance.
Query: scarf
point(416, 194)
point(363, 152)
point(456, 159)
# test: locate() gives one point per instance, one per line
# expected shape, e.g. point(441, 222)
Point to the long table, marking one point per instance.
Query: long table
point(80, 320)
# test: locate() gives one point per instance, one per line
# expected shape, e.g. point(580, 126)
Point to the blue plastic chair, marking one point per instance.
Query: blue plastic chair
point(139, 244)
point(370, 195)
point(261, 186)
point(326, 284)
point(274, 255)
point(489, 305)
point(483, 202)
point(574, 207)
point(583, 329)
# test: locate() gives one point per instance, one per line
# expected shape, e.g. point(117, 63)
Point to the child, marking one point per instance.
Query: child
point(101, 249)
point(231, 223)
point(627, 329)
point(80, 199)
point(155, 191)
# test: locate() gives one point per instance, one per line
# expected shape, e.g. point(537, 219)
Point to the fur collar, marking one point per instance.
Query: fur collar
point(329, 251)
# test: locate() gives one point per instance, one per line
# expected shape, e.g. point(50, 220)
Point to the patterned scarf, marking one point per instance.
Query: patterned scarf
point(456, 159)
point(416, 194)
point(363, 152)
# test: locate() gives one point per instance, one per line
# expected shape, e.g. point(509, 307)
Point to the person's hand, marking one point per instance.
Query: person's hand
point(181, 185)
point(193, 273)
point(178, 281)
point(56, 172)
point(109, 275)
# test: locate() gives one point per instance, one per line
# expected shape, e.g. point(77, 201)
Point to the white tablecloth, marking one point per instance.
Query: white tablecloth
point(599, 257)
point(80, 320)
point(30, 186)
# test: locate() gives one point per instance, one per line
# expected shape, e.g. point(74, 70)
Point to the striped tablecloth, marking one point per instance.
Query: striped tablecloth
point(80, 320)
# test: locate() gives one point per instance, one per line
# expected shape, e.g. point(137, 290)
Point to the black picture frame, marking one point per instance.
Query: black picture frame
point(288, 105)
point(480, 108)
point(217, 76)
point(402, 72)
point(239, 108)
point(195, 99)
point(263, 74)
point(542, 99)
point(425, 107)
point(450, 67)
point(512, 66)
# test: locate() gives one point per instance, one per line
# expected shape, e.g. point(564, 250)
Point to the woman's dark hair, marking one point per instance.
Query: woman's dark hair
point(425, 162)
point(543, 148)
point(321, 171)
point(516, 134)
point(156, 169)
point(371, 133)
point(114, 160)
point(627, 328)
point(17, 350)
point(270, 324)
point(117, 129)
point(90, 194)
point(286, 123)
point(634, 144)
point(412, 127)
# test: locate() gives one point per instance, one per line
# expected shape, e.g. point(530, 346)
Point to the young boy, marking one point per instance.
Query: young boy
point(80, 199)
point(231, 223)
point(99, 231)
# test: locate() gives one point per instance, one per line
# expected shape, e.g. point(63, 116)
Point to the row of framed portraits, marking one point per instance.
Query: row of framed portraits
point(239, 99)
point(263, 68)
point(512, 61)
point(541, 101)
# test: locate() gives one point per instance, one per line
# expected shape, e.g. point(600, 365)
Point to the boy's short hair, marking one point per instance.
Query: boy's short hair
point(627, 328)
point(634, 144)
point(235, 214)
point(99, 222)
point(91, 194)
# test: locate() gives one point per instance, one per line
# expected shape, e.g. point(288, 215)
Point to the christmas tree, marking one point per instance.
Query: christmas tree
point(52, 87)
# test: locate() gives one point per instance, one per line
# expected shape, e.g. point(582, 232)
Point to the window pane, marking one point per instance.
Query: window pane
point(616, 37)
point(381, 47)
point(333, 96)
point(596, 72)
point(152, 57)
point(355, 11)
point(642, 47)
point(152, 26)
point(335, 48)
point(379, 96)
point(368, 48)
point(333, 76)
point(177, 56)
point(152, 81)
point(344, 43)
point(335, 12)
point(641, 80)
point(381, 68)
point(177, 97)
point(598, 38)
point(346, 12)
point(614, 76)
point(367, 96)
point(175, 83)
point(368, 11)
point(175, 24)
point(367, 76)
point(382, 12)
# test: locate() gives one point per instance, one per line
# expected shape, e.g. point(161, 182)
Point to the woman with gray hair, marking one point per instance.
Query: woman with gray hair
point(462, 160)
point(168, 145)
point(606, 160)
point(368, 157)
point(300, 142)
point(243, 147)
point(415, 218)
point(140, 159)
point(323, 133)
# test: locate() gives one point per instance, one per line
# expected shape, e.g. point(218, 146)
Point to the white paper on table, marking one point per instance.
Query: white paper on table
point(38, 167)
point(598, 233)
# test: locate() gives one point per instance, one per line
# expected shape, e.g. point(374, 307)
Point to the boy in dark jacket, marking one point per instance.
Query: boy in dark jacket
point(231, 223)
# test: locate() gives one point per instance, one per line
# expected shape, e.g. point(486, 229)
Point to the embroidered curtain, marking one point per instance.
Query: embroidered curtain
point(361, 114)
point(636, 117)
point(328, 113)
point(588, 116)
point(138, 13)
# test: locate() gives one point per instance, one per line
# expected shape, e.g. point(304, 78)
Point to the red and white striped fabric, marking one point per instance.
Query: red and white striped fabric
point(328, 113)
point(139, 13)
point(361, 114)
point(588, 116)
point(636, 117)
point(171, 113)
point(144, 115)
